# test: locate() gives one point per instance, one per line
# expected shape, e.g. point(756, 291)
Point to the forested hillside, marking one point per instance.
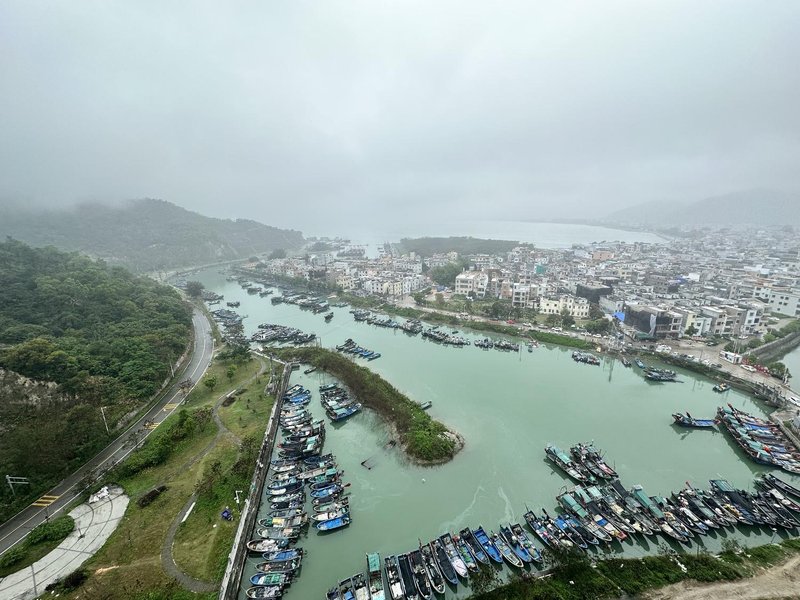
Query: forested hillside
point(104, 338)
point(145, 235)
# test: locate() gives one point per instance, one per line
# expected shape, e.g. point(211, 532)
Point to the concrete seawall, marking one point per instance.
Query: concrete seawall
point(229, 589)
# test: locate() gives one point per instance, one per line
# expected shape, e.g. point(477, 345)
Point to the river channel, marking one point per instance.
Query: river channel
point(507, 406)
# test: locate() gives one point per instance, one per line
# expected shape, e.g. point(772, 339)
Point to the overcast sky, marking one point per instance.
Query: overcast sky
point(306, 114)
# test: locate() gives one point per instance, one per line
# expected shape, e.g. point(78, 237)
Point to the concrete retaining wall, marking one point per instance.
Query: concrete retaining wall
point(776, 349)
point(229, 590)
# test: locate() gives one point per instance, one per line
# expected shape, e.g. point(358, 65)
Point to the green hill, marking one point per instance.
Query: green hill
point(75, 335)
point(145, 235)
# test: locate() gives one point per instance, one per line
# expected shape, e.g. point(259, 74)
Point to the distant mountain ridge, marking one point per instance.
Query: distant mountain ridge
point(145, 235)
point(759, 207)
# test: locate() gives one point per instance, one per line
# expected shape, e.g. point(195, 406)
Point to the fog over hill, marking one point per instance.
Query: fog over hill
point(145, 235)
point(759, 207)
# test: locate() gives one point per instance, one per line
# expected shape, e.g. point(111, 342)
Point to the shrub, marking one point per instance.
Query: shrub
point(51, 531)
point(148, 498)
point(13, 556)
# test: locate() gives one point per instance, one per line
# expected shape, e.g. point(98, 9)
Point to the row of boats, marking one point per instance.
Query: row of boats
point(591, 516)
point(337, 402)
point(271, 332)
point(315, 305)
point(351, 347)
point(299, 473)
point(762, 440)
point(585, 357)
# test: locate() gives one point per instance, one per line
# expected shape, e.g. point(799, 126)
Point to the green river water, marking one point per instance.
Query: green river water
point(507, 406)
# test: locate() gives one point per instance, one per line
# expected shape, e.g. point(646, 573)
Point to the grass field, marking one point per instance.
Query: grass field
point(129, 564)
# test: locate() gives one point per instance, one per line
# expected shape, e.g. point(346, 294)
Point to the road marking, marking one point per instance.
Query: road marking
point(170, 406)
point(45, 500)
point(151, 426)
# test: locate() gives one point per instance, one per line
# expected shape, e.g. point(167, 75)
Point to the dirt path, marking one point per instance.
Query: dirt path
point(782, 581)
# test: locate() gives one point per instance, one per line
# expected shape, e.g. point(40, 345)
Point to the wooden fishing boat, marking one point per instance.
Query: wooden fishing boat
point(452, 554)
point(527, 542)
point(271, 579)
point(281, 522)
point(281, 555)
point(360, 587)
point(515, 544)
point(329, 492)
point(688, 421)
point(278, 567)
point(506, 552)
point(266, 545)
point(278, 533)
point(488, 546)
point(434, 574)
point(445, 566)
point(466, 554)
point(343, 502)
point(264, 592)
point(331, 514)
point(420, 575)
point(781, 485)
point(346, 590)
point(375, 577)
point(563, 462)
point(407, 577)
point(333, 524)
point(474, 546)
point(393, 579)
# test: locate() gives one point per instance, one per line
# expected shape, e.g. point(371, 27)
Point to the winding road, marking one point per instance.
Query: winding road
point(59, 497)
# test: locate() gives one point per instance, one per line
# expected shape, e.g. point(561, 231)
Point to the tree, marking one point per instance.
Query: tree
point(230, 372)
point(691, 330)
point(483, 580)
point(552, 320)
point(194, 289)
point(439, 300)
point(595, 312)
point(598, 326)
point(210, 381)
point(277, 253)
point(567, 320)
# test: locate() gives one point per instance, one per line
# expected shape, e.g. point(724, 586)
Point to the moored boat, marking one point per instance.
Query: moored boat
point(453, 555)
point(506, 552)
point(333, 524)
point(474, 546)
point(434, 574)
point(393, 579)
point(270, 591)
point(488, 546)
point(445, 566)
point(375, 577)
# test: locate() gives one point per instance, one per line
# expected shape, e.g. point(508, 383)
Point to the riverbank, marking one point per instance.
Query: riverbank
point(576, 578)
point(425, 441)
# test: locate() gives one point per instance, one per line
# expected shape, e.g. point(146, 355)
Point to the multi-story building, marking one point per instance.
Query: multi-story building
point(578, 308)
point(655, 321)
point(472, 283)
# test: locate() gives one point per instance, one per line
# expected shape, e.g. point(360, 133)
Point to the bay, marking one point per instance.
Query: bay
point(507, 406)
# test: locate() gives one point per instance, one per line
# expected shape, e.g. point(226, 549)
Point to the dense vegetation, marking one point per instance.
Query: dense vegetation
point(572, 577)
point(423, 438)
point(145, 235)
point(104, 337)
point(428, 246)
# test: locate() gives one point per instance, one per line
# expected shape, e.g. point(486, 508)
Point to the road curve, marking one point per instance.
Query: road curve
point(59, 497)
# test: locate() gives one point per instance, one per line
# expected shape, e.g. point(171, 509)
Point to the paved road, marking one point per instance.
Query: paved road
point(58, 498)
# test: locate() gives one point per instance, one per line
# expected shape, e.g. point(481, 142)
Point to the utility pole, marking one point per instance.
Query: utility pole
point(103, 412)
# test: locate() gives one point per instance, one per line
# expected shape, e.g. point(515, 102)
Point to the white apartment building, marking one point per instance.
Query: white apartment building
point(472, 282)
point(578, 308)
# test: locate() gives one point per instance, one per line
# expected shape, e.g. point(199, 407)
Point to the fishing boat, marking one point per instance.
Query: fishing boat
point(516, 545)
point(563, 462)
point(331, 514)
point(465, 553)
point(574, 507)
point(360, 587)
point(334, 505)
point(526, 542)
point(265, 592)
point(333, 524)
point(407, 577)
point(474, 546)
point(375, 577)
point(420, 574)
point(625, 361)
point(452, 553)
point(445, 566)
point(781, 485)
point(328, 317)
point(393, 580)
point(281, 555)
point(566, 530)
point(266, 545)
point(330, 491)
point(506, 552)
point(488, 546)
point(346, 590)
point(639, 363)
point(288, 566)
point(434, 574)
point(688, 421)
point(340, 414)
point(271, 579)
point(310, 370)
point(281, 522)
point(721, 387)
point(277, 533)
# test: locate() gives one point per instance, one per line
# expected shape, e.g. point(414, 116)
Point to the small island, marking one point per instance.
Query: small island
point(425, 441)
